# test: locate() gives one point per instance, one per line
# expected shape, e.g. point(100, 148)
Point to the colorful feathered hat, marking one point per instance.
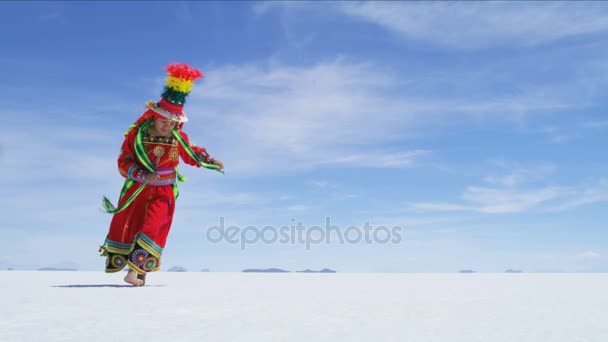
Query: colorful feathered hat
point(179, 81)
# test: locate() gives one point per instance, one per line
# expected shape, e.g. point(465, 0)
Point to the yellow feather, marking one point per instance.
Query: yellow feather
point(178, 84)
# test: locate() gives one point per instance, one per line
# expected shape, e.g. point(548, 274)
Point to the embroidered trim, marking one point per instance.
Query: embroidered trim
point(163, 182)
point(167, 177)
point(115, 262)
point(174, 154)
point(148, 139)
point(118, 247)
point(159, 151)
point(131, 170)
point(145, 255)
point(148, 244)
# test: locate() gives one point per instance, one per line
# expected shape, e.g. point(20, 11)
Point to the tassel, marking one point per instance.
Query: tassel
point(108, 206)
point(180, 178)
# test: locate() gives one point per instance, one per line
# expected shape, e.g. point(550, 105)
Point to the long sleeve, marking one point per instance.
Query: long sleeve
point(200, 152)
point(127, 161)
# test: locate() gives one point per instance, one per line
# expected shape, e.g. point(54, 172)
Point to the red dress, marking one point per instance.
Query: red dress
point(138, 233)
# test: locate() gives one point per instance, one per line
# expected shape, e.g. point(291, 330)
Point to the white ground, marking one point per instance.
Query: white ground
point(175, 307)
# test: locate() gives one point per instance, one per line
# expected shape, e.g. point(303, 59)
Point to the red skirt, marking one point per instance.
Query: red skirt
point(138, 233)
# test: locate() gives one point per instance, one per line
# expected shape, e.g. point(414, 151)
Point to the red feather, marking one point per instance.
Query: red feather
point(183, 71)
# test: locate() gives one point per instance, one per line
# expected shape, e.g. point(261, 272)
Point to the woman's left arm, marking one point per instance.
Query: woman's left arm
point(200, 152)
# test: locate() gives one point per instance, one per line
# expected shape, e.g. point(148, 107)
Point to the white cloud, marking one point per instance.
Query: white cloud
point(557, 135)
point(213, 196)
point(586, 195)
point(298, 207)
point(588, 255)
point(439, 207)
point(521, 175)
point(483, 24)
point(295, 118)
point(490, 200)
point(51, 152)
point(380, 160)
point(319, 184)
point(516, 200)
point(596, 124)
point(264, 118)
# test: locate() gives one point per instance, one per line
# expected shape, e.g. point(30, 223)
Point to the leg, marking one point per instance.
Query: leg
point(142, 277)
point(150, 239)
point(133, 279)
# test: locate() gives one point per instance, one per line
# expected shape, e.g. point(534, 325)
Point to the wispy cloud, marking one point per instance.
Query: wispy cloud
point(298, 207)
point(586, 195)
point(496, 200)
point(508, 199)
point(469, 25)
point(380, 160)
point(520, 175)
point(483, 24)
point(557, 135)
point(437, 206)
point(52, 12)
point(596, 124)
point(491, 200)
point(588, 255)
point(56, 152)
point(320, 184)
point(269, 117)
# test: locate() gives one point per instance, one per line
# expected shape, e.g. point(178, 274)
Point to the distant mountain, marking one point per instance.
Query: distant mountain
point(205, 270)
point(513, 271)
point(307, 271)
point(177, 269)
point(466, 271)
point(267, 270)
point(56, 269)
point(325, 270)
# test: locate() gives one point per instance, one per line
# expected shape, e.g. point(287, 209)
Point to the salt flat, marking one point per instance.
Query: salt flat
point(93, 306)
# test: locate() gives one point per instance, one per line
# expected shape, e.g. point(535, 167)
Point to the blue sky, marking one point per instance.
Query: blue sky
point(478, 128)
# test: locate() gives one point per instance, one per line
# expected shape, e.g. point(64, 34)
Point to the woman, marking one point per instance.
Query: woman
point(148, 160)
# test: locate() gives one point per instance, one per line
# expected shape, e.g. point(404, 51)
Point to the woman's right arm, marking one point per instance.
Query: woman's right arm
point(127, 161)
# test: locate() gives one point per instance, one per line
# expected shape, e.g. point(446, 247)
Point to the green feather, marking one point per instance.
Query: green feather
point(174, 96)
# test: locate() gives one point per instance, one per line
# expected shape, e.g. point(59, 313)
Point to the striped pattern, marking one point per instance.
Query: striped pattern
point(179, 81)
point(167, 177)
point(117, 247)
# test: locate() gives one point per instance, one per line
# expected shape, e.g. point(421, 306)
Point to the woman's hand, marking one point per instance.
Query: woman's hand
point(152, 177)
point(219, 163)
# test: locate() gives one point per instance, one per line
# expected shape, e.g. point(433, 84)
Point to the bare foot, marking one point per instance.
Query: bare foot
point(132, 279)
point(142, 277)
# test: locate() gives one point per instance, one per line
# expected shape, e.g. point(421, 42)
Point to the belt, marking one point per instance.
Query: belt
point(167, 177)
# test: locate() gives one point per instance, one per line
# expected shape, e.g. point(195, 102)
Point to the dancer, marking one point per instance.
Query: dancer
point(148, 160)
